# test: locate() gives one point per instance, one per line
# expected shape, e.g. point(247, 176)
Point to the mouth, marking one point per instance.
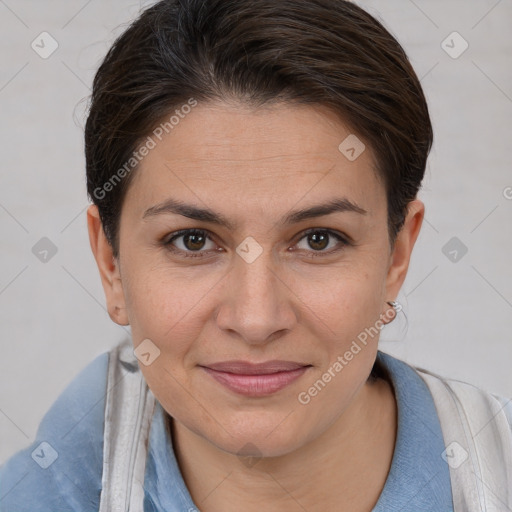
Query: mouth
point(254, 380)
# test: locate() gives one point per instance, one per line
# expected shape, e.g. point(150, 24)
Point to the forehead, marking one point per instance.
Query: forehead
point(276, 154)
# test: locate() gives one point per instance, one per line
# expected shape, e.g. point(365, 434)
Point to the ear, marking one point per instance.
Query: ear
point(108, 267)
point(404, 244)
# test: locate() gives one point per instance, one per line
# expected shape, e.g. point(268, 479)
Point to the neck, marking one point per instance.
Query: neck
point(343, 469)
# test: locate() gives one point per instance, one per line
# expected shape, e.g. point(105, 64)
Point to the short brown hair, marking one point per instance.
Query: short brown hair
point(325, 52)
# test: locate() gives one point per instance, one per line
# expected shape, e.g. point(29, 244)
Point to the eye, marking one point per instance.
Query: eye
point(318, 240)
point(193, 243)
point(190, 242)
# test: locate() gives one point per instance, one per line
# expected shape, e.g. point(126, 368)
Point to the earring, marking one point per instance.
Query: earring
point(396, 307)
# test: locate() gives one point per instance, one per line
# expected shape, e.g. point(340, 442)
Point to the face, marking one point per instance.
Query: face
point(257, 266)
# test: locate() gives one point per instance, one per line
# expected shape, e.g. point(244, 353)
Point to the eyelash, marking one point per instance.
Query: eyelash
point(200, 254)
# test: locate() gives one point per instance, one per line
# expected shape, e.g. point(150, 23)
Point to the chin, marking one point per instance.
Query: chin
point(257, 448)
point(254, 437)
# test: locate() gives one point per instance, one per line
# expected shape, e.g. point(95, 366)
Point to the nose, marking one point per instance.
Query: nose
point(256, 303)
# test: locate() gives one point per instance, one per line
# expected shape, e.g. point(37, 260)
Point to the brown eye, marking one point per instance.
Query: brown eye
point(190, 241)
point(318, 240)
point(193, 241)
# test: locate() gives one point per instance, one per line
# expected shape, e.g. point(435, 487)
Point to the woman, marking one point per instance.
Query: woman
point(254, 169)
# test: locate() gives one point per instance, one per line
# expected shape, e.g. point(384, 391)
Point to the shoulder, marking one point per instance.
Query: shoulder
point(477, 427)
point(451, 395)
point(62, 468)
point(471, 398)
point(506, 404)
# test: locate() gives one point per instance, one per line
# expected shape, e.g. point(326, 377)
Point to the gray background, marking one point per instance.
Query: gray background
point(52, 314)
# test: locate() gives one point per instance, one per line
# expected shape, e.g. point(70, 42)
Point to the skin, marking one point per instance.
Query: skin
point(254, 167)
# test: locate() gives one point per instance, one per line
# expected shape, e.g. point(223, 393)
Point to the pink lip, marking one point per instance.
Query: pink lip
point(255, 379)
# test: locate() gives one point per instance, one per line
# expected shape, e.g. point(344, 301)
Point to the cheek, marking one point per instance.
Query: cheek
point(348, 331)
point(343, 300)
point(163, 307)
point(165, 303)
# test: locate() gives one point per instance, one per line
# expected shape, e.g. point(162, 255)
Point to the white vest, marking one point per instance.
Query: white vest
point(476, 431)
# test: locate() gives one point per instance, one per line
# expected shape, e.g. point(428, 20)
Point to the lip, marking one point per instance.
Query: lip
point(256, 379)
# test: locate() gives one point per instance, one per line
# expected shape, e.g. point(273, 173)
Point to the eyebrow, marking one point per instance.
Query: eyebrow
point(173, 206)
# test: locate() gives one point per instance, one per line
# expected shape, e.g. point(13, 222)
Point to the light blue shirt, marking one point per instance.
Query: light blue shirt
point(64, 473)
